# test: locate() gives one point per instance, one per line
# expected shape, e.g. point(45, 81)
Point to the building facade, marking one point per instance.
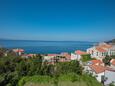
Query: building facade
point(101, 50)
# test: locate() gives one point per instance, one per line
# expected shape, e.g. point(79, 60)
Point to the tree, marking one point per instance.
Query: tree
point(112, 84)
point(86, 57)
point(107, 60)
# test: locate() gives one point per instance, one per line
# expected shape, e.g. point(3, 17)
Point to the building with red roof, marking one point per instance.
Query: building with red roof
point(101, 72)
point(96, 70)
point(101, 50)
point(52, 55)
point(18, 51)
point(66, 55)
point(113, 63)
point(78, 55)
point(95, 62)
point(79, 52)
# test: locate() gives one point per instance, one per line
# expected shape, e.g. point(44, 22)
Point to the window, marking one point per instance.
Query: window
point(97, 53)
point(103, 54)
point(92, 52)
point(106, 53)
point(96, 75)
point(110, 53)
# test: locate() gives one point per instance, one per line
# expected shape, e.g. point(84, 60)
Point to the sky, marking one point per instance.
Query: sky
point(73, 20)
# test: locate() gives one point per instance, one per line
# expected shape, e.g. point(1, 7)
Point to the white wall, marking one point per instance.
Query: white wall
point(75, 56)
point(95, 55)
point(48, 57)
point(90, 71)
point(110, 77)
point(99, 75)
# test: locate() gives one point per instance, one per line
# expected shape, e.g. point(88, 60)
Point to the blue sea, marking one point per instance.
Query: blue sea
point(45, 47)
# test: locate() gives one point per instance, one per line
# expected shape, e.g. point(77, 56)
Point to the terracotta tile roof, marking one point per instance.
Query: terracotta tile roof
point(31, 55)
point(52, 54)
point(100, 49)
point(18, 50)
point(80, 52)
point(113, 62)
point(66, 54)
point(97, 68)
point(106, 46)
point(96, 62)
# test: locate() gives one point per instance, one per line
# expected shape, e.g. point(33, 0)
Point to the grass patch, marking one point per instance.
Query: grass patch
point(70, 79)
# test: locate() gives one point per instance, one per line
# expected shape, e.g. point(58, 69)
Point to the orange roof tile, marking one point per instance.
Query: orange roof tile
point(97, 68)
point(66, 54)
point(106, 46)
point(52, 54)
point(113, 61)
point(100, 49)
point(31, 55)
point(18, 50)
point(80, 52)
point(96, 61)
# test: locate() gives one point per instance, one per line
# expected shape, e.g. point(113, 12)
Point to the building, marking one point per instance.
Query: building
point(28, 55)
point(18, 52)
point(96, 70)
point(109, 77)
point(65, 57)
point(100, 72)
point(101, 50)
point(112, 63)
point(50, 56)
point(77, 55)
point(95, 62)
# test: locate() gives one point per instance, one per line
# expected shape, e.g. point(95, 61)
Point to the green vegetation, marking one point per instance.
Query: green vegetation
point(107, 60)
point(86, 58)
point(112, 84)
point(18, 71)
point(70, 79)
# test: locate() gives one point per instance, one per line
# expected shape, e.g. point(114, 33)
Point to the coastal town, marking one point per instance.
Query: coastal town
point(98, 60)
point(57, 42)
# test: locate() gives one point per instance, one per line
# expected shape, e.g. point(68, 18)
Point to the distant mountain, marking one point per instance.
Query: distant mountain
point(111, 41)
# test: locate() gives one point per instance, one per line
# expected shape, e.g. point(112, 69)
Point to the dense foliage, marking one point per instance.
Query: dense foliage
point(16, 71)
point(86, 58)
point(70, 79)
point(13, 68)
point(107, 60)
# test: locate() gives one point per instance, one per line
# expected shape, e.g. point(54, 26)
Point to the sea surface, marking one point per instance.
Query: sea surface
point(45, 47)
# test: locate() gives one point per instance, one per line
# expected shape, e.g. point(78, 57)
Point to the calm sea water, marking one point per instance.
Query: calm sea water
point(45, 47)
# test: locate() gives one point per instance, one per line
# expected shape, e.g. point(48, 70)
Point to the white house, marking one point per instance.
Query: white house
point(50, 56)
point(18, 51)
point(109, 76)
point(95, 62)
point(112, 63)
point(101, 73)
point(96, 70)
point(77, 55)
point(100, 51)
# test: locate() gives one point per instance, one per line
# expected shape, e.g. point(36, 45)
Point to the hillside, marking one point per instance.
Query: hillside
point(111, 41)
point(70, 79)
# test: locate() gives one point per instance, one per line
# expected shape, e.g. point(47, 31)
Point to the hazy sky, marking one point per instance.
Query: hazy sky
point(77, 20)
